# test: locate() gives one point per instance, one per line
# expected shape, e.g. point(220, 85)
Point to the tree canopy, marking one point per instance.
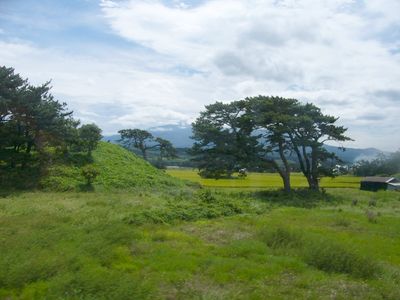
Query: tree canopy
point(34, 126)
point(262, 131)
point(143, 141)
point(223, 140)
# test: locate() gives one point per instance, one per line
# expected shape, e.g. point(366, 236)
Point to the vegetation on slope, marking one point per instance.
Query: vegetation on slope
point(118, 169)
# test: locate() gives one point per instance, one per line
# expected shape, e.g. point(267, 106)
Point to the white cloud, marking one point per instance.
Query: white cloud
point(338, 54)
point(330, 51)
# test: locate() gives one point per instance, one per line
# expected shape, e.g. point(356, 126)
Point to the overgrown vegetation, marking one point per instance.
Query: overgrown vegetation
point(117, 168)
point(181, 244)
point(35, 131)
point(322, 253)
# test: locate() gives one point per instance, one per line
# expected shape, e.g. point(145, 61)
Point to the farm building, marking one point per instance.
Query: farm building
point(379, 183)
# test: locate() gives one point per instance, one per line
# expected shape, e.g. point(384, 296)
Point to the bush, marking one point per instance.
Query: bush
point(90, 173)
point(205, 205)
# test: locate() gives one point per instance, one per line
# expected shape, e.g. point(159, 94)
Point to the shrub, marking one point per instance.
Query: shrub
point(90, 173)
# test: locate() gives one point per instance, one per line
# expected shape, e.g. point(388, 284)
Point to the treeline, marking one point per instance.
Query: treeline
point(36, 129)
point(253, 132)
point(384, 165)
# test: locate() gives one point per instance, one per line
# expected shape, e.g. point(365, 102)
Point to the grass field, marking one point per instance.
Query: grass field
point(197, 244)
point(263, 180)
point(141, 234)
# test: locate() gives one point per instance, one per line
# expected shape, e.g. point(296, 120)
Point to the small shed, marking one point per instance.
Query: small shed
point(380, 183)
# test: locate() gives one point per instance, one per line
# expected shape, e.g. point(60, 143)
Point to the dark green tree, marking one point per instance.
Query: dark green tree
point(223, 140)
point(309, 130)
point(139, 139)
point(166, 149)
point(144, 141)
point(262, 131)
point(273, 116)
point(89, 172)
point(31, 119)
point(89, 137)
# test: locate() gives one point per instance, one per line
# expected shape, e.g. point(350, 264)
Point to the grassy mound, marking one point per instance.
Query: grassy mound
point(118, 169)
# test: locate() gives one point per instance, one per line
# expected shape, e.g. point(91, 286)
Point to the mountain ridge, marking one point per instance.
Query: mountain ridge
point(180, 135)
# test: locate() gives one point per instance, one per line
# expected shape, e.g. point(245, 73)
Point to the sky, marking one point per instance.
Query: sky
point(147, 63)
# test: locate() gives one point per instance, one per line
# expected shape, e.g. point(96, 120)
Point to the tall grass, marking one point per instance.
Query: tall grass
point(323, 254)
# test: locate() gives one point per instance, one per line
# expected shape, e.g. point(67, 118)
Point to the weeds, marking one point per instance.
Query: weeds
point(342, 222)
point(372, 217)
point(329, 256)
point(323, 254)
point(282, 238)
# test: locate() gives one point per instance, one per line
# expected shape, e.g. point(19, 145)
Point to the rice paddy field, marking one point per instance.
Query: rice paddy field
point(263, 180)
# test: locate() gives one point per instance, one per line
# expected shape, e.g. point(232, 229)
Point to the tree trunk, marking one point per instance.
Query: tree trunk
point(144, 154)
point(314, 170)
point(286, 168)
point(285, 175)
point(286, 183)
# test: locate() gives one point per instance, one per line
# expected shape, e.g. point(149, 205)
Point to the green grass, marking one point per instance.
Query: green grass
point(197, 244)
point(118, 169)
point(263, 180)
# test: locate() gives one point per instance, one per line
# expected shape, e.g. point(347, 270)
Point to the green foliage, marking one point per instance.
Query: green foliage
point(223, 140)
point(144, 141)
point(89, 137)
point(264, 131)
point(35, 131)
point(90, 173)
point(31, 119)
point(119, 169)
point(202, 205)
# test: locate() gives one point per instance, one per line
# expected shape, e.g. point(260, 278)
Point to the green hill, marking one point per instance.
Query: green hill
point(118, 169)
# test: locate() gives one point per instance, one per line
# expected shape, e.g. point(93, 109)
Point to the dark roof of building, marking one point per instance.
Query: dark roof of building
point(380, 179)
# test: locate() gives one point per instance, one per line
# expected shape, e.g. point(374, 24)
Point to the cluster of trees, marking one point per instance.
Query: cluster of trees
point(34, 127)
point(263, 132)
point(383, 165)
point(144, 141)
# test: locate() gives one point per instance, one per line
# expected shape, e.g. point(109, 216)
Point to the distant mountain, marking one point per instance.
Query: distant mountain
point(180, 138)
point(178, 135)
point(351, 155)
